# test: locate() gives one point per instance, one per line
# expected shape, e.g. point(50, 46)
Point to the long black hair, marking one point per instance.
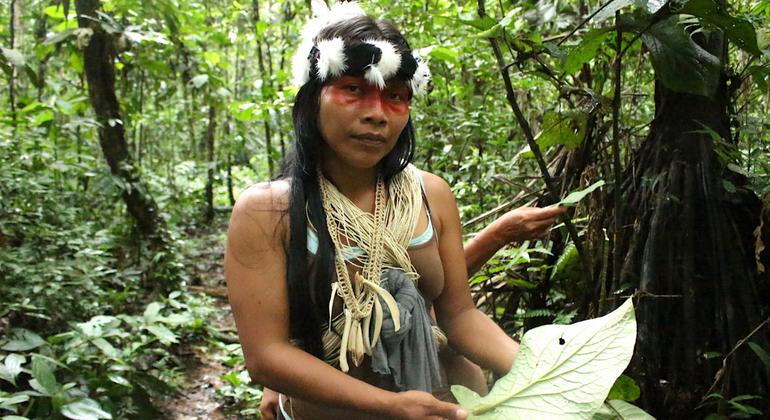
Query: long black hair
point(309, 292)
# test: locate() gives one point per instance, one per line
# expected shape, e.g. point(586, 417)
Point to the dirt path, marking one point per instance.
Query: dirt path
point(204, 368)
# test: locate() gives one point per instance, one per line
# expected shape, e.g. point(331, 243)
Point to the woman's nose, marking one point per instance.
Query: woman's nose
point(374, 113)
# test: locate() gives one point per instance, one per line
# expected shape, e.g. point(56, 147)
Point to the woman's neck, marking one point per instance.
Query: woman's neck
point(355, 183)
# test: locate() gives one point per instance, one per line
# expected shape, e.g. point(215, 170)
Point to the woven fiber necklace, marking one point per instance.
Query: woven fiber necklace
point(384, 237)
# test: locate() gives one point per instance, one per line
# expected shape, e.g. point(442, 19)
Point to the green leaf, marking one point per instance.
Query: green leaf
point(653, 6)
point(680, 63)
point(11, 367)
point(522, 284)
point(624, 389)
point(575, 196)
point(610, 10)
point(14, 417)
point(621, 410)
point(759, 74)
point(562, 128)
point(106, 347)
point(482, 24)
point(586, 50)
point(561, 371)
point(568, 263)
point(120, 380)
point(466, 397)
point(44, 375)
point(152, 311)
point(56, 12)
point(85, 409)
point(22, 340)
point(8, 403)
point(199, 80)
point(763, 356)
point(740, 31)
point(164, 334)
point(58, 37)
point(33, 76)
point(14, 57)
point(212, 57)
point(98, 325)
point(444, 54)
point(152, 384)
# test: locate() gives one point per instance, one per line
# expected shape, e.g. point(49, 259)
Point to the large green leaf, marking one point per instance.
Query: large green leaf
point(561, 371)
point(740, 31)
point(621, 410)
point(680, 63)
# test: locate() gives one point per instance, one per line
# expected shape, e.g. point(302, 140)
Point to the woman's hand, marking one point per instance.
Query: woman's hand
point(524, 223)
point(517, 225)
point(422, 405)
point(268, 407)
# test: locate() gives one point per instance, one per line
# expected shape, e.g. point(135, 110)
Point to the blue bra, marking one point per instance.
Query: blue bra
point(353, 252)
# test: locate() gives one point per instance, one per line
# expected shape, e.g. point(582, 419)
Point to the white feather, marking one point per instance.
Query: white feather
point(337, 13)
point(331, 60)
point(390, 60)
point(323, 17)
point(319, 7)
point(300, 65)
point(374, 76)
point(419, 82)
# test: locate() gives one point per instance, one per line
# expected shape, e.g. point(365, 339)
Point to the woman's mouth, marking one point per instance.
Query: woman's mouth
point(372, 139)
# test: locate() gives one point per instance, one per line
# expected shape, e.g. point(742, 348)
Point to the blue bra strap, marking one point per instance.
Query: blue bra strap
point(354, 251)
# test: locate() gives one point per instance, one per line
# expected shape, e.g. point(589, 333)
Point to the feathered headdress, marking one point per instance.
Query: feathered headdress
point(378, 60)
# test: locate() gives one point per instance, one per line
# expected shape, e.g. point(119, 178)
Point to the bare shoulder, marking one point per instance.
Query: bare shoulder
point(264, 196)
point(441, 200)
point(259, 221)
point(436, 188)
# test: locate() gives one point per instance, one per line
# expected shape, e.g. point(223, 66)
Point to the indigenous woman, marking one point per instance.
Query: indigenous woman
point(347, 276)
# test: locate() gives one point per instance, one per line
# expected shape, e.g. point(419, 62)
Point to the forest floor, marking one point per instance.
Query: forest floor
point(204, 364)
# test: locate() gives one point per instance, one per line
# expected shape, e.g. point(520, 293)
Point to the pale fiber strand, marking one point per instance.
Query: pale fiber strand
point(384, 237)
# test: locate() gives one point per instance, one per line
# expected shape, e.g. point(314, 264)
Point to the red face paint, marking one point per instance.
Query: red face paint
point(349, 90)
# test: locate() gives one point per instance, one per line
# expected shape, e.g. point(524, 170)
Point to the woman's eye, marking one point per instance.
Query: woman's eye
point(352, 88)
point(396, 96)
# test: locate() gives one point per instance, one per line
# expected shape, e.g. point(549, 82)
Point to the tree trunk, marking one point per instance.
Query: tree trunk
point(266, 78)
point(15, 24)
point(41, 28)
point(210, 136)
point(98, 57)
point(689, 237)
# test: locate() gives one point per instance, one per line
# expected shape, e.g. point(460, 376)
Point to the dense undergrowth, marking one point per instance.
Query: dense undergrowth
point(80, 335)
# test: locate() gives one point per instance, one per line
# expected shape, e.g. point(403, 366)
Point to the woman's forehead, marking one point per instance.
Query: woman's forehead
point(390, 83)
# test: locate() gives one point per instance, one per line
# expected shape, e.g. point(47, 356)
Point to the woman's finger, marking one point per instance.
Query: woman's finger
point(540, 228)
point(267, 414)
point(451, 411)
point(541, 213)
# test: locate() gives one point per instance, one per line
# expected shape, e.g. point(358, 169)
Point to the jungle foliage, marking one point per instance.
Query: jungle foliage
point(128, 128)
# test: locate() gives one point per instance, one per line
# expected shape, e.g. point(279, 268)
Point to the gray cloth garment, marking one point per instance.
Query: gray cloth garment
point(410, 354)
